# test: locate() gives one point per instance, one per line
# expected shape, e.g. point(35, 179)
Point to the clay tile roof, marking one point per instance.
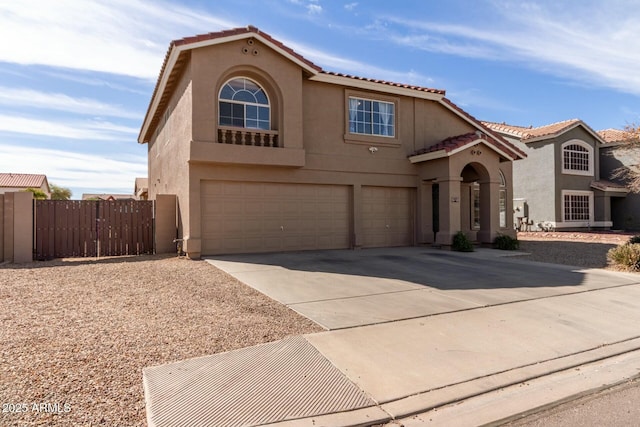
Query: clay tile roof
point(456, 142)
point(238, 31)
point(608, 186)
point(384, 82)
point(527, 133)
point(488, 130)
point(613, 135)
point(21, 180)
point(450, 143)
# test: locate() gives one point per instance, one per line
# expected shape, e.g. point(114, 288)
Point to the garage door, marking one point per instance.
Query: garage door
point(243, 217)
point(387, 216)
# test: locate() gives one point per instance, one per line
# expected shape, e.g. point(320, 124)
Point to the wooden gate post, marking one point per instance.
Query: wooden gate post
point(166, 223)
point(18, 227)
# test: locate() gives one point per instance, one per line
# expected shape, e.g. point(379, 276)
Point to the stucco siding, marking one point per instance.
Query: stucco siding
point(168, 151)
point(534, 180)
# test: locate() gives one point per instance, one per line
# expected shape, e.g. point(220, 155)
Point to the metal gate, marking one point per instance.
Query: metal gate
point(92, 228)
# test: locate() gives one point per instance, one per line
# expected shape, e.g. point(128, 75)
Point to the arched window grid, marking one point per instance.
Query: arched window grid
point(244, 103)
point(577, 158)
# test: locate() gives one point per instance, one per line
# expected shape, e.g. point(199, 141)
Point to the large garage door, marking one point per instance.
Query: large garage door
point(387, 216)
point(240, 217)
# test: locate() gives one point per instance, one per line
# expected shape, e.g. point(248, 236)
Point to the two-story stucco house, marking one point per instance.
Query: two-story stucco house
point(558, 186)
point(268, 152)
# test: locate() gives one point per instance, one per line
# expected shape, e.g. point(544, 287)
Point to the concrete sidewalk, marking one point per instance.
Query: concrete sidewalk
point(497, 351)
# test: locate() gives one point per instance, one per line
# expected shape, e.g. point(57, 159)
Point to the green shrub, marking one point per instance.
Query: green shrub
point(634, 240)
point(461, 243)
point(506, 243)
point(626, 257)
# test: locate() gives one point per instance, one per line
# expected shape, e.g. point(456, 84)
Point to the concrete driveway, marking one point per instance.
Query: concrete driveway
point(460, 339)
point(344, 288)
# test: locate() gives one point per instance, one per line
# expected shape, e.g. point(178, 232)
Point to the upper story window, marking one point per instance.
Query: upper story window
point(369, 117)
point(577, 158)
point(243, 103)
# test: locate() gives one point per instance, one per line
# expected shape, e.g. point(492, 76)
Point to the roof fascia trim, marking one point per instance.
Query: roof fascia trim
point(375, 86)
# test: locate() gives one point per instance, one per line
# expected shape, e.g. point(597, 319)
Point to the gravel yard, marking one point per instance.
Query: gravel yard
point(581, 249)
point(76, 333)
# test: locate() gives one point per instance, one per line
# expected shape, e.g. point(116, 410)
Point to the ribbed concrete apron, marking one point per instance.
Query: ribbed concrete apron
point(425, 329)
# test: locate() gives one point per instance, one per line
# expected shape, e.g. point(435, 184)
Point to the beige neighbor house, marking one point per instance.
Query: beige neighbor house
point(11, 182)
point(268, 152)
point(559, 185)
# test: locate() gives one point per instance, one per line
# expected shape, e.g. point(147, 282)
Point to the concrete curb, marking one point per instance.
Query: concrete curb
point(496, 399)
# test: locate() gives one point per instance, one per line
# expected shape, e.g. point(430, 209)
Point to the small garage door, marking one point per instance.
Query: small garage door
point(387, 216)
point(243, 217)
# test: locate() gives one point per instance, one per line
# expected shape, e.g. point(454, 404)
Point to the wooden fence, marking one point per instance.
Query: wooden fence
point(88, 228)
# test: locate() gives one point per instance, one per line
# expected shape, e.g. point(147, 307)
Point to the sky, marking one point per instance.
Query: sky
point(76, 76)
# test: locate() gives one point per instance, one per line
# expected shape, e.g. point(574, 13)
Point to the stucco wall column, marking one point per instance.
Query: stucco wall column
point(356, 216)
point(449, 209)
point(425, 213)
point(489, 211)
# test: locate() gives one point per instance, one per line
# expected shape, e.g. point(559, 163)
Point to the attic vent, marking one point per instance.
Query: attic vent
point(245, 50)
point(255, 52)
point(250, 42)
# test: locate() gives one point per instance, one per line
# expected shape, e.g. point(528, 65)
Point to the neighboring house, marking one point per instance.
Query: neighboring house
point(558, 186)
point(625, 212)
point(141, 189)
point(108, 197)
point(10, 182)
point(268, 152)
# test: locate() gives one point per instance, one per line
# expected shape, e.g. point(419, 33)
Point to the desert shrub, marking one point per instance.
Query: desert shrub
point(634, 240)
point(506, 243)
point(626, 257)
point(461, 243)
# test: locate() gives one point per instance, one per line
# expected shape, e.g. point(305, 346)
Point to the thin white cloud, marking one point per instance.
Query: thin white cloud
point(350, 6)
point(60, 102)
point(559, 41)
point(127, 37)
point(82, 130)
point(362, 69)
point(75, 170)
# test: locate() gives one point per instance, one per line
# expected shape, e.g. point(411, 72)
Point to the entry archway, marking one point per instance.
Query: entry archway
point(476, 198)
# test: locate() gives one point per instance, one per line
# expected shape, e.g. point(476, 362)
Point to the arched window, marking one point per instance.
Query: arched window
point(577, 158)
point(243, 103)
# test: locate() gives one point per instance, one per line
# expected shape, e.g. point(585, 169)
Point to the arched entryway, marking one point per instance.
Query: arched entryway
point(475, 202)
point(464, 183)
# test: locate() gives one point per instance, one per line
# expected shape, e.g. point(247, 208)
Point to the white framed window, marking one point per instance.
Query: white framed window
point(371, 117)
point(577, 206)
point(577, 158)
point(243, 103)
point(502, 201)
point(475, 207)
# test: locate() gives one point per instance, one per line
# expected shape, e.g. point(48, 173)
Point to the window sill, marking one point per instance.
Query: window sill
point(578, 173)
point(352, 138)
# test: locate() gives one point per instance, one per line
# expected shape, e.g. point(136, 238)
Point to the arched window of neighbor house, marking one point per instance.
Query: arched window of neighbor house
point(577, 158)
point(243, 103)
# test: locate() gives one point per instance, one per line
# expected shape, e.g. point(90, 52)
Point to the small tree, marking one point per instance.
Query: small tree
point(60, 193)
point(38, 194)
point(630, 174)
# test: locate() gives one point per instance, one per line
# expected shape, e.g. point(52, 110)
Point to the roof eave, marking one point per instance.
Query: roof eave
point(376, 86)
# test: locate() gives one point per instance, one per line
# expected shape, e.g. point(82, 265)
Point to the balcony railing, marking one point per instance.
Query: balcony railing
point(245, 136)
